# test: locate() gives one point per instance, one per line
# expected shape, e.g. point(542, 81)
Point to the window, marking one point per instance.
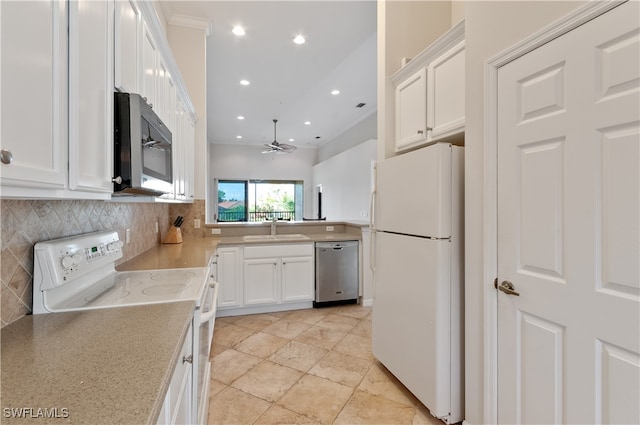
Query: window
point(259, 200)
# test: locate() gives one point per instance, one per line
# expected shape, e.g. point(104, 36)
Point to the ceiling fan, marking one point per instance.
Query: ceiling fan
point(275, 147)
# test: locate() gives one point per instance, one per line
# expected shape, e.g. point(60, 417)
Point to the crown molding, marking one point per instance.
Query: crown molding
point(191, 22)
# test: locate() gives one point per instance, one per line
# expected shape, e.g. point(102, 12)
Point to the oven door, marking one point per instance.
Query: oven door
point(205, 336)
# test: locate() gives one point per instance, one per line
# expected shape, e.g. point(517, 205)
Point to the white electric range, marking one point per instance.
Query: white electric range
point(78, 273)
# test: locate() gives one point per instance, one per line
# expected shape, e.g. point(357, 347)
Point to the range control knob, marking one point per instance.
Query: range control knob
point(77, 258)
point(67, 261)
point(114, 246)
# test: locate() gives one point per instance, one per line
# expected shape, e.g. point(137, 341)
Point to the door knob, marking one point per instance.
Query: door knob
point(507, 288)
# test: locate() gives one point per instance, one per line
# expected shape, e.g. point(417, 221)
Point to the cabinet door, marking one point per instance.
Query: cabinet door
point(91, 95)
point(33, 63)
point(127, 46)
point(229, 277)
point(178, 402)
point(446, 93)
point(189, 158)
point(297, 279)
point(149, 66)
point(261, 281)
point(178, 151)
point(160, 103)
point(411, 111)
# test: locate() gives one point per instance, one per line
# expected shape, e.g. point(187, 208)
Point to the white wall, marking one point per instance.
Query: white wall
point(247, 162)
point(491, 27)
point(346, 183)
point(361, 132)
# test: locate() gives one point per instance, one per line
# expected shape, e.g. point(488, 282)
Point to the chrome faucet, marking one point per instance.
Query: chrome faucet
point(273, 226)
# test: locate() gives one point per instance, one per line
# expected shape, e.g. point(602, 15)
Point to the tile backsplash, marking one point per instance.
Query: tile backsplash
point(26, 222)
point(190, 212)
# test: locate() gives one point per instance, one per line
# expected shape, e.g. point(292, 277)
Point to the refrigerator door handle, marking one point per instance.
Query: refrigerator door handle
point(372, 230)
point(372, 202)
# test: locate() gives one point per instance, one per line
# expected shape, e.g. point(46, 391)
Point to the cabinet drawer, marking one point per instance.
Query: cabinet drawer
point(281, 250)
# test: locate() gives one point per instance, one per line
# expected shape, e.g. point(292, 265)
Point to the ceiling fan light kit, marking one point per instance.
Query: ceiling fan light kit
point(275, 147)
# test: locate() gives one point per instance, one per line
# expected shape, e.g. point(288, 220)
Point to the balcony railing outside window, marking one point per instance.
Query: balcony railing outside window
point(256, 216)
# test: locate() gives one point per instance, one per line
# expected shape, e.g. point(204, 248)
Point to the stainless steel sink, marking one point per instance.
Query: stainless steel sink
point(294, 236)
point(291, 237)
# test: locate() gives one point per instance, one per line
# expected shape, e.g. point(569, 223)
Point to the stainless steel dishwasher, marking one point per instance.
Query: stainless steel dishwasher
point(336, 273)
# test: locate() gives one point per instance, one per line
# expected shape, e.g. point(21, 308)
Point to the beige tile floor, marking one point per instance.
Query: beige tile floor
point(305, 367)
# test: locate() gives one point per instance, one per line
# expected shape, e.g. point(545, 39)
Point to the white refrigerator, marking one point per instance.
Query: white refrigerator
point(418, 262)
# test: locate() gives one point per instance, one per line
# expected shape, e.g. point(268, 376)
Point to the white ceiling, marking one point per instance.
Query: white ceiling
point(289, 82)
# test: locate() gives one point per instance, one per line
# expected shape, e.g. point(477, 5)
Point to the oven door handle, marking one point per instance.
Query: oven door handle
point(206, 317)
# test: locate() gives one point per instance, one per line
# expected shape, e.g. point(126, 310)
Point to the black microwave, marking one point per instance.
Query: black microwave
point(142, 149)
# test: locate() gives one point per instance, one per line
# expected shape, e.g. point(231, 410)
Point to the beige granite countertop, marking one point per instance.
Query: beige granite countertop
point(196, 252)
point(109, 366)
point(193, 252)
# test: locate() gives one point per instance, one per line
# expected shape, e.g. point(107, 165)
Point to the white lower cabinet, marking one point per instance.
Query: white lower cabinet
point(297, 278)
point(261, 278)
point(229, 277)
point(271, 277)
point(177, 406)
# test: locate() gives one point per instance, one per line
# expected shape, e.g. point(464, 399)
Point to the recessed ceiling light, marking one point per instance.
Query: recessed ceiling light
point(292, 140)
point(307, 123)
point(299, 39)
point(245, 82)
point(335, 92)
point(238, 30)
point(240, 117)
point(238, 137)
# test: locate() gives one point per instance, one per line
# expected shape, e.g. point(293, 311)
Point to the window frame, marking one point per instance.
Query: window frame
point(298, 198)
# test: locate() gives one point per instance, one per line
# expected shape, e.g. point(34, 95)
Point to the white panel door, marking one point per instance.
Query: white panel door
point(569, 227)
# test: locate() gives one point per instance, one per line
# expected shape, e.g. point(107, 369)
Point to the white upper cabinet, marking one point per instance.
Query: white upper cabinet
point(445, 106)
point(127, 46)
point(59, 64)
point(430, 93)
point(149, 66)
point(189, 159)
point(91, 95)
point(411, 110)
point(33, 83)
point(162, 87)
point(57, 92)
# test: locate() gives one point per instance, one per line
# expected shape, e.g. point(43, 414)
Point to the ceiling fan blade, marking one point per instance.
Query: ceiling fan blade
point(287, 148)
